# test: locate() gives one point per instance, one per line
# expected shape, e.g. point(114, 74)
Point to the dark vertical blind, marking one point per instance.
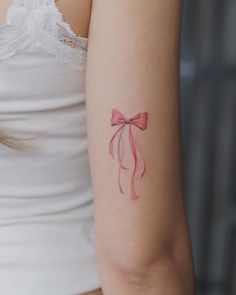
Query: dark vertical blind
point(208, 83)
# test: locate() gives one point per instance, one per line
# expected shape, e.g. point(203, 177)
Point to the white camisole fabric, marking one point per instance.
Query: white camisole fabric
point(47, 244)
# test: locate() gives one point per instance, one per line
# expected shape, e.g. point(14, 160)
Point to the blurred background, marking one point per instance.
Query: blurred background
point(208, 83)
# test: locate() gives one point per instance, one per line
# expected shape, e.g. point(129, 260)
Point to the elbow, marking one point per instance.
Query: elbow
point(140, 263)
point(168, 259)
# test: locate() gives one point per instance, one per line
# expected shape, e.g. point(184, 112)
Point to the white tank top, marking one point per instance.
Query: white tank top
point(47, 244)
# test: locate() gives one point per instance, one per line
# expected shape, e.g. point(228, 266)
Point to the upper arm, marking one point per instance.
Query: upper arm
point(133, 66)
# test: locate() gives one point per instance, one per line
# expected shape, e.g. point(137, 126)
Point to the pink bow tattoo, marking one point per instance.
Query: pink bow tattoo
point(139, 120)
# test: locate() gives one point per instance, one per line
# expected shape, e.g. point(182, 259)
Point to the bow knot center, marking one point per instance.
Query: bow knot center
point(128, 121)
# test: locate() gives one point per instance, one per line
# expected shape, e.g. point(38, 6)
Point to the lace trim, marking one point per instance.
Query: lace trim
point(41, 23)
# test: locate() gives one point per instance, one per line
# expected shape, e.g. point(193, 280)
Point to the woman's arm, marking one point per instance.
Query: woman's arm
point(141, 230)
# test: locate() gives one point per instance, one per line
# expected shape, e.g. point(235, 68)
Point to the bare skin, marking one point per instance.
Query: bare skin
point(77, 14)
point(3, 9)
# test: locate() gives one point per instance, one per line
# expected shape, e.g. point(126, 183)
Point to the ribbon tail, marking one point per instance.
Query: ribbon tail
point(134, 153)
point(120, 152)
point(111, 144)
point(144, 165)
point(121, 149)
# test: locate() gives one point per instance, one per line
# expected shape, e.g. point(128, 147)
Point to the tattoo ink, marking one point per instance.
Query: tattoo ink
point(139, 120)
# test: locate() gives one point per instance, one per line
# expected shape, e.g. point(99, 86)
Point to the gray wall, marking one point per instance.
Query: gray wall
point(208, 78)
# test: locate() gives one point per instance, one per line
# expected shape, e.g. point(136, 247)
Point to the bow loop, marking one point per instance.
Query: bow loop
point(140, 120)
point(117, 118)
